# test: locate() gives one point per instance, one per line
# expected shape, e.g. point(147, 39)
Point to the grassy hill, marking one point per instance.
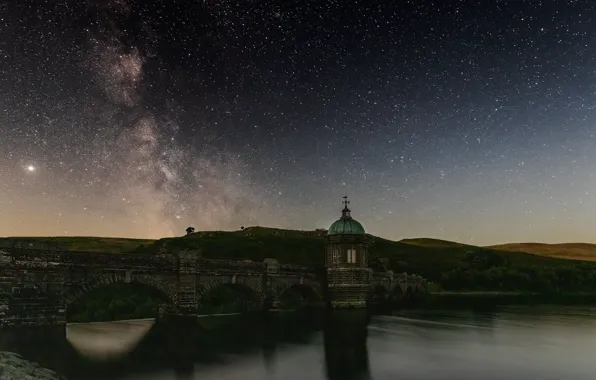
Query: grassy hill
point(453, 266)
point(79, 243)
point(434, 243)
point(571, 251)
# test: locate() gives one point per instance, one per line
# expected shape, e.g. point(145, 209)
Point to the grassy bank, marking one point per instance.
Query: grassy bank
point(487, 300)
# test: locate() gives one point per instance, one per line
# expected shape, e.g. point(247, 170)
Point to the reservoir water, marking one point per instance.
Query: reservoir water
point(508, 342)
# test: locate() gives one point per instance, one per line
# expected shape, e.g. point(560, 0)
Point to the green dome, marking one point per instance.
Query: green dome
point(346, 226)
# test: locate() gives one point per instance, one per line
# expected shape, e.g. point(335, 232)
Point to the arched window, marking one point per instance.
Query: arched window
point(352, 255)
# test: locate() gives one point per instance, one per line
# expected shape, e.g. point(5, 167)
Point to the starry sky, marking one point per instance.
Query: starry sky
point(460, 120)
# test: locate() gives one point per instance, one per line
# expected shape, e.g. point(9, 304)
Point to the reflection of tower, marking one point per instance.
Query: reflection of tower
point(269, 342)
point(346, 262)
point(346, 354)
point(185, 373)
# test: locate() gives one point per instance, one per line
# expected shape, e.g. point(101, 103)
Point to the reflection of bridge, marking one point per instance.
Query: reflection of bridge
point(36, 286)
point(180, 349)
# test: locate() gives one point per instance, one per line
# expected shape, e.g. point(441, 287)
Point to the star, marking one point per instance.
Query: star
point(188, 118)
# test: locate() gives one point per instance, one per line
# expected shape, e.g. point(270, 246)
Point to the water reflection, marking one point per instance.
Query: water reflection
point(269, 343)
point(513, 343)
point(43, 345)
point(145, 349)
point(346, 353)
point(107, 341)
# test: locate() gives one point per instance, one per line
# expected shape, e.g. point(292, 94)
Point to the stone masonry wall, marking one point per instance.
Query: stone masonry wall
point(37, 286)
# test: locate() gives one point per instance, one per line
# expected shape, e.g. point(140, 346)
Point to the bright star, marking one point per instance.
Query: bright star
point(30, 168)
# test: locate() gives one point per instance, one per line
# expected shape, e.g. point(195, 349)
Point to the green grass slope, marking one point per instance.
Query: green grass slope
point(253, 243)
point(436, 243)
point(80, 243)
point(571, 251)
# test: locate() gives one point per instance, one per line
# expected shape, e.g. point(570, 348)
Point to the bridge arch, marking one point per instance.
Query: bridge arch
point(250, 296)
point(380, 291)
point(74, 292)
point(307, 292)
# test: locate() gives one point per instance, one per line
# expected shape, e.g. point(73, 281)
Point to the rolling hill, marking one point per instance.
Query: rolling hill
point(436, 243)
point(79, 243)
point(571, 251)
point(449, 265)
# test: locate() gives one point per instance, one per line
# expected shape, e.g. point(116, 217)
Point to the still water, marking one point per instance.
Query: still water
point(508, 342)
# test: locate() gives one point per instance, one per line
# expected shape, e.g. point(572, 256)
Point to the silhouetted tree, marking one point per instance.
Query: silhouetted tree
point(190, 230)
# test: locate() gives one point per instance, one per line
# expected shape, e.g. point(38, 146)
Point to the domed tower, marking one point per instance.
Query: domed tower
point(346, 262)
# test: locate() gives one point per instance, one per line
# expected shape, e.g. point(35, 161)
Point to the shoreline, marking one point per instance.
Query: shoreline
point(115, 321)
point(481, 293)
point(496, 293)
point(446, 299)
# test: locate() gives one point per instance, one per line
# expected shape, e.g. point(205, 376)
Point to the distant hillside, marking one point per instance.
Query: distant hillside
point(253, 243)
point(427, 242)
point(572, 251)
point(79, 243)
point(449, 265)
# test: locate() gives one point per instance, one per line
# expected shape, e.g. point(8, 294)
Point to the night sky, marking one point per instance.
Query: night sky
point(465, 121)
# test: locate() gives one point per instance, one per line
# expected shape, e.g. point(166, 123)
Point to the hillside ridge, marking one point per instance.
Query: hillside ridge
point(571, 251)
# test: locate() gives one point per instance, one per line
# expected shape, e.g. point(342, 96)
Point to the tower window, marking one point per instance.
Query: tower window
point(335, 256)
point(351, 256)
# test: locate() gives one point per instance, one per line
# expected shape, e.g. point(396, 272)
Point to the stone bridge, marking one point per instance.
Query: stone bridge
point(388, 285)
point(36, 286)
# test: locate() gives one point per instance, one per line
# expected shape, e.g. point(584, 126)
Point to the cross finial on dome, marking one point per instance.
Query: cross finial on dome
point(346, 202)
point(345, 213)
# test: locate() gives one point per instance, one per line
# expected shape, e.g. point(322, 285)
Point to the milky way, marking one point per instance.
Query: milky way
point(164, 184)
point(140, 118)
